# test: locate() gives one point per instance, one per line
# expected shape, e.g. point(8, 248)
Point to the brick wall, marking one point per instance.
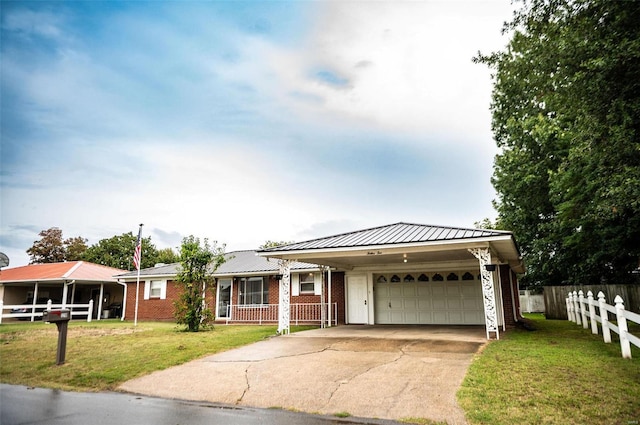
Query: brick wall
point(510, 294)
point(155, 308)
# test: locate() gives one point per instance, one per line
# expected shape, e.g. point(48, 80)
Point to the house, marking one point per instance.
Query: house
point(246, 290)
point(72, 282)
point(396, 274)
point(416, 274)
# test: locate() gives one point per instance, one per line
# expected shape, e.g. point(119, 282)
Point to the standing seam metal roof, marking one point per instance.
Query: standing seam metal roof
point(398, 233)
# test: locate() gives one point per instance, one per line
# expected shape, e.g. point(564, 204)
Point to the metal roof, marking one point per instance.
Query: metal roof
point(237, 263)
point(64, 271)
point(392, 234)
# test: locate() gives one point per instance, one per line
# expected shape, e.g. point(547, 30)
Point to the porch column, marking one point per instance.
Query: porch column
point(35, 300)
point(488, 291)
point(100, 301)
point(283, 304)
point(330, 307)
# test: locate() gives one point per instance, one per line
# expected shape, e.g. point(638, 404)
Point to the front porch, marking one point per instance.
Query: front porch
point(300, 313)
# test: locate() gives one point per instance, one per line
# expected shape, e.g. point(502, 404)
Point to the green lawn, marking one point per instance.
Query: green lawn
point(557, 374)
point(101, 355)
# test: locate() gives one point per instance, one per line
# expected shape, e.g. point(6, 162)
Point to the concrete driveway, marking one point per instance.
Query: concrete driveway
point(387, 372)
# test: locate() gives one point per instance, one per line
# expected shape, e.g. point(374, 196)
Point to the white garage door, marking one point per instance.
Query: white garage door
point(428, 298)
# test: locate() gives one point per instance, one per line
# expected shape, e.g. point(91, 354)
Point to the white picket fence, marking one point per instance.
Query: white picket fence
point(76, 310)
point(582, 310)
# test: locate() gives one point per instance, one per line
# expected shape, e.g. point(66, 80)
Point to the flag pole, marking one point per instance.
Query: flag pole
point(137, 258)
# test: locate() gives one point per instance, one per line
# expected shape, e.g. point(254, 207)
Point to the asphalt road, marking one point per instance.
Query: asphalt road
point(20, 405)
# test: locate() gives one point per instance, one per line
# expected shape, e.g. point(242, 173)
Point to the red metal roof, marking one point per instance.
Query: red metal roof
point(78, 270)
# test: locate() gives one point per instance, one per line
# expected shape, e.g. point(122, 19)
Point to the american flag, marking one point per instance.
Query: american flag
point(137, 253)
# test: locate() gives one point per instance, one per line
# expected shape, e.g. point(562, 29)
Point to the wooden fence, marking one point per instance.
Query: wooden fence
point(555, 297)
point(582, 310)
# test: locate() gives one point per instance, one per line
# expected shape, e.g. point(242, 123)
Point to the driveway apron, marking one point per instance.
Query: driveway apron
point(387, 372)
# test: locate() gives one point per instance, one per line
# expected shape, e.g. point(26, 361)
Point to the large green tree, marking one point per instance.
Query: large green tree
point(51, 248)
point(117, 251)
point(566, 116)
point(198, 262)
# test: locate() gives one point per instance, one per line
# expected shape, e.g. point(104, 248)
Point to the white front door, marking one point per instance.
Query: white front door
point(357, 296)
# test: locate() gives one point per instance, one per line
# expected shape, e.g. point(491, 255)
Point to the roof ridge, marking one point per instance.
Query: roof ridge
point(73, 269)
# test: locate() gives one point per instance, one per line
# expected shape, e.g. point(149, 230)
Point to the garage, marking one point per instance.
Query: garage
point(453, 298)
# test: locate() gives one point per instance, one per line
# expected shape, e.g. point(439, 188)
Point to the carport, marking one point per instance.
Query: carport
point(416, 274)
point(65, 284)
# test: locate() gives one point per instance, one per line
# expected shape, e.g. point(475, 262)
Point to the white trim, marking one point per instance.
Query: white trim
point(440, 245)
point(295, 284)
point(163, 290)
point(72, 269)
point(147, 289)
point(317, 283)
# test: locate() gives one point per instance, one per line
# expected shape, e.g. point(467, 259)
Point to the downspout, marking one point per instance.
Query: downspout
point(124, 299)
point(500, 299)
point(513, 299)
point(65, 292)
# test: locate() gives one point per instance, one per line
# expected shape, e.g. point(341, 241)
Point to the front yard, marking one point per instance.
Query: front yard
point(558, 374)
point(101, 355)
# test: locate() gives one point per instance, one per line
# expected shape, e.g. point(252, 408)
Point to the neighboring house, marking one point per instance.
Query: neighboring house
point(418, 274)
point(397, 274)
point(72, 282)
point(246, 290)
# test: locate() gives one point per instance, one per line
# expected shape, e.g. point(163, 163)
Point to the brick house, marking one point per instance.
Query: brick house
point(246, 290)
point(396, 274)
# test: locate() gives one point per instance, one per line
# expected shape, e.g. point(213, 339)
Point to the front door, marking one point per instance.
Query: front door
point(357, 296)
point(224, 297)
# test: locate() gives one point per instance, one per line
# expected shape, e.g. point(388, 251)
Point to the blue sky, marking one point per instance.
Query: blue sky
point(243, 122)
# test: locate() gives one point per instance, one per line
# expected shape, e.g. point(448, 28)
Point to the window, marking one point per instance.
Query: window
point(155, 289)
point(307, 283)
point(253, 291)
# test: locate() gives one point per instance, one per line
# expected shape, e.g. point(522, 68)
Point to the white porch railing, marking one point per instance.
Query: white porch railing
point(32, 310)
point(581, 310)
point(267, 313)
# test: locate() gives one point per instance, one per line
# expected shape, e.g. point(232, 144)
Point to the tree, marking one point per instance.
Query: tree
point(273, 244)
point(49, 249)
point(117, 252)
point(566, 116)
point(75, 248)
point(52, 249)
point(195, 277)
point(167, 256)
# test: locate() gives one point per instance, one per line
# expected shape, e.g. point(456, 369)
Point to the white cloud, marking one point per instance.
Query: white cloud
point(407, 65)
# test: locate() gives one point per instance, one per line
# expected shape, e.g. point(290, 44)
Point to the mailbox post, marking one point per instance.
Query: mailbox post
point(61, 319)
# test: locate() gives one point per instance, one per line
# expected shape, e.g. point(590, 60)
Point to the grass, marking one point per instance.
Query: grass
point(558, 374)
point(101, 355)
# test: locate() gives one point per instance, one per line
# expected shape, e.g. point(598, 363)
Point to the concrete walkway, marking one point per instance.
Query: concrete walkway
point(387, 372)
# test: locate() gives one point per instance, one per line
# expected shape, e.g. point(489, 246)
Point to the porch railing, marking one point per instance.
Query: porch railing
point(35, 310)
point(268, 313)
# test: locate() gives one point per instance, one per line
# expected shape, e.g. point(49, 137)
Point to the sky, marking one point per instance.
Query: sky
point(243, 122)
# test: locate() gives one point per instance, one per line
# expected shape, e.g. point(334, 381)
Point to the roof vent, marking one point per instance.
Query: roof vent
point(159, 265)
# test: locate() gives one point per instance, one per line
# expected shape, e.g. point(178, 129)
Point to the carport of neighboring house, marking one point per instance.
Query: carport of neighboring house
point(65, 283)
point(419, 274)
